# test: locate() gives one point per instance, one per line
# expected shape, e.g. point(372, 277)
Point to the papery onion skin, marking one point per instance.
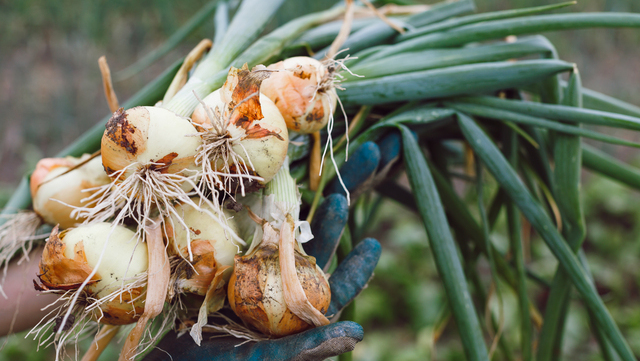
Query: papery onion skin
point(70, 256)
point(203, 227)
point(301, 89)
point(211, 245)
point(147, 135)
point(49, 187)
point(256, 295)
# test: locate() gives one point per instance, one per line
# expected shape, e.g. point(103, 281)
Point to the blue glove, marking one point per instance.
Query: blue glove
point(346, 282)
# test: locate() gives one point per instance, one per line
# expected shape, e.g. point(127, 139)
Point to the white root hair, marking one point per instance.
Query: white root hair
point(86, 315)
point(17, 233)
point(216, 155)
point(330, 83)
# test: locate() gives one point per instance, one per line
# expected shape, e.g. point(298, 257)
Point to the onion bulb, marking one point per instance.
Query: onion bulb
point(276, 287)
point(149, 153)
point(148, 138)
point(257, 292)
point(212, 245)
point(120, 264)
point(302, 89)
point(54, 193)
point(245, 138)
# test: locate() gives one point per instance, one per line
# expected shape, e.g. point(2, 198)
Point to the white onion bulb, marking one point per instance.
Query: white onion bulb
point(148, 137)
point(55, 194)
point(246, 138)
point(70, 256)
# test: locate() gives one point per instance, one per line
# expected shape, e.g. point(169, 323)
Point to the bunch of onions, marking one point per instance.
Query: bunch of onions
point(149, 153)
point(244, 137)
point(59, 184)
point(109, 259)
point(275, 287)
point(303, 90)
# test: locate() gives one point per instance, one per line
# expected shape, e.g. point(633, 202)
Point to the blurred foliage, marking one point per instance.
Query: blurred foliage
point(50, 92)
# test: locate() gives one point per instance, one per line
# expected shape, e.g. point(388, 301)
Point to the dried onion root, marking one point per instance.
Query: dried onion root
point(17, 233)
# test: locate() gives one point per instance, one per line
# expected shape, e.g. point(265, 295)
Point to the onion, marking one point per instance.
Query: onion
point(55, 194)
point(70, 257)
point(149, 153)
point(212, 244)
point(257, 289)
point(302, 89)
point(245, 138)
point(144, 139)
point(276, 287)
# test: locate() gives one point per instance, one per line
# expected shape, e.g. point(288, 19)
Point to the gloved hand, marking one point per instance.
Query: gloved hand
point(346, 282)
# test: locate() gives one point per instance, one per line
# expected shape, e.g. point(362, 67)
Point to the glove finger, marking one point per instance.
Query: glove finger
point(315, 344)
point(352, 274)
point(361, 165)
point(327, 227)
point(389, 148)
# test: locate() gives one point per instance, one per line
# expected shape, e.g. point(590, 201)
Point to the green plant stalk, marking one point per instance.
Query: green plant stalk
point(505, 115)
point(221, 21)
point(466, 223)
point(323, 35)
point(381, 33)
point(211, 75)
point(598, 101)
point(441, 58)
point(515, 242)
point(248, 22)
point(517, 26)
point(608, 353)
point(348, 314)
point(568, 159)
point(474, 277)
point(443, 248)
point(508, 179)
point(450, 81)
point(558, 112)
point(174, 40)
point(487, 243)
point(89, 142)
point(476, 18)
point(598, 161)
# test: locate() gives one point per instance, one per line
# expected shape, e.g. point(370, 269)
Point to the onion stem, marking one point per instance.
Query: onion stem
point(100, 342)
point(294, 295)
point(315, 158)
point(159, 274)
point(183, 73)
point(112, 99)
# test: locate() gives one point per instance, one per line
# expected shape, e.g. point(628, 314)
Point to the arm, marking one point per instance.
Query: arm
point(22, 309)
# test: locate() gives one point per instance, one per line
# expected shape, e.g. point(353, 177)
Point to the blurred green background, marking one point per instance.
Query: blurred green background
point(51, 92)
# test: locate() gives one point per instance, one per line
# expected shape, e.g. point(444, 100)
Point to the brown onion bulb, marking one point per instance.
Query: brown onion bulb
point(256, 291)
point(302, 89)
point(55, 194)
point(70, 256)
